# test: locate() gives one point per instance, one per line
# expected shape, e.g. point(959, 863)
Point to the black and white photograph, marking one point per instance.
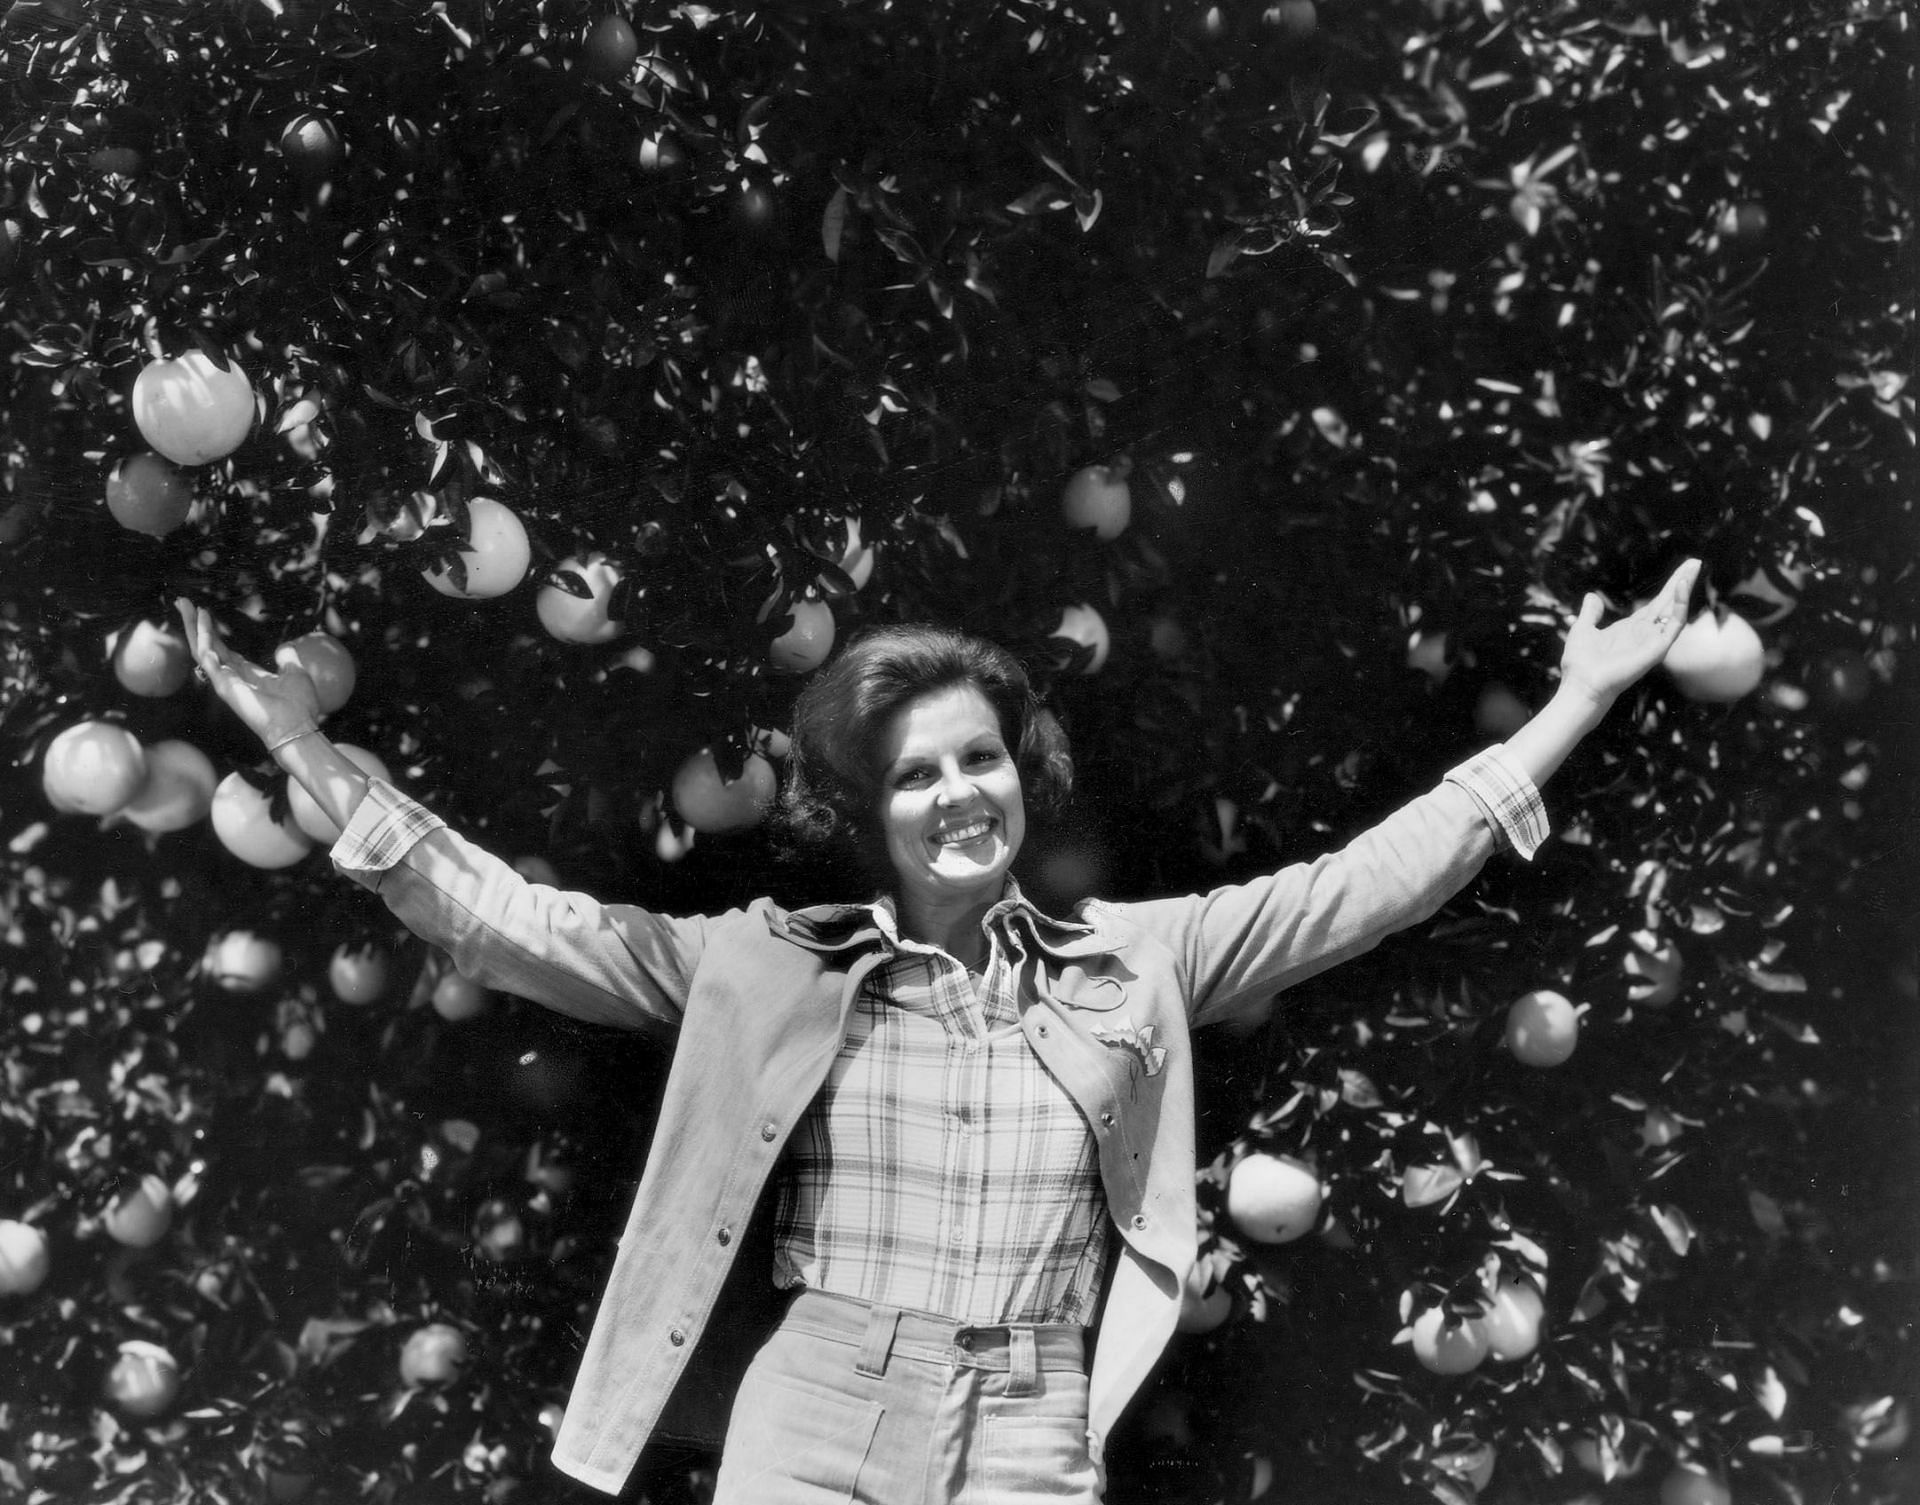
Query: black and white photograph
point(959, 752)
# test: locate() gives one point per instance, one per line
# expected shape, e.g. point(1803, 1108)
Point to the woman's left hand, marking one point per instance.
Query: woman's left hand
point(1600, 662)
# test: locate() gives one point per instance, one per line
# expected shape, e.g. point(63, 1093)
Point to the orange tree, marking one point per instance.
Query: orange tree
point(722, 331)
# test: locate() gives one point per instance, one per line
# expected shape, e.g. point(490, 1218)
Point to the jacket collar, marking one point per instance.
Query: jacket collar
point(828, 927)
point(852, 927)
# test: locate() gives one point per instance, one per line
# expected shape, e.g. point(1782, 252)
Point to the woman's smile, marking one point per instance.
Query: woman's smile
point(959, 836)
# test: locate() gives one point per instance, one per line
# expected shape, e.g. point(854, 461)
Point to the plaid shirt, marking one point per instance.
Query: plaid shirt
point(942, 1168)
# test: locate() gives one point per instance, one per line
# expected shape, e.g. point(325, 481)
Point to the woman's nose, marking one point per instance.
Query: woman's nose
point(954, 787)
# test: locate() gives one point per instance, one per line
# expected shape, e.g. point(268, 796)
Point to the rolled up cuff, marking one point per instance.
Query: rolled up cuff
point(1509, 796)
point(383, 829)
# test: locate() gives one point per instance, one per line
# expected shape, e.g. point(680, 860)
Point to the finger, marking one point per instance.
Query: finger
point(1670, 606)
point(1591, 607)
point(1681, 586)
point(194, 620)
point(210, 647)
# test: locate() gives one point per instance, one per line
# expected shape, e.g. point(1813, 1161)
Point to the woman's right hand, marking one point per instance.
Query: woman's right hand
point(276, 705)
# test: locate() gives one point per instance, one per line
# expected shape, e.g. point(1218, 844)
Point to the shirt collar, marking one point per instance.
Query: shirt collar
point(845, 927)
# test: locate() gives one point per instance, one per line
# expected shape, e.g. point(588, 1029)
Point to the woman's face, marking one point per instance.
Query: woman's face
point(951, 810)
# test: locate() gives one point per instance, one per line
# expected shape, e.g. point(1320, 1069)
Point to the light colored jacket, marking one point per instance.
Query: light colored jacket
point(759, 999)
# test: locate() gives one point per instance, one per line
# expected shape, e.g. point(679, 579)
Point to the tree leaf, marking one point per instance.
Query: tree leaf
point(1675, 1227)
point(833, 223)
point(1424, 1185)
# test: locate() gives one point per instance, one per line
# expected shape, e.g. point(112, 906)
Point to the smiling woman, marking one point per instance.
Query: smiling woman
point(912, 1147)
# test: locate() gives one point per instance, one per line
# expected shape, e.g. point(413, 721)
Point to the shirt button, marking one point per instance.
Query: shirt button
point(768, 1131)
point(725, 1236)
point(1139, 1222)
point(677, 1338)
point(1043, 1032)
point(1106, 1120)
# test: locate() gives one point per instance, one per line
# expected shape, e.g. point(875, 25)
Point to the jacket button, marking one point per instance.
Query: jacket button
point(768, 1131)
point(1107, 1120)
point(677, 1338)
point(725, 1236)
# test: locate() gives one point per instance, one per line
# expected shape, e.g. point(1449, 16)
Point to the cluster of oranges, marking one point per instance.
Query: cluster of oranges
point(98, 767)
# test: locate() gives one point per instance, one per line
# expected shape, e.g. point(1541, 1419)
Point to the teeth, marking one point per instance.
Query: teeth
point(962, 833)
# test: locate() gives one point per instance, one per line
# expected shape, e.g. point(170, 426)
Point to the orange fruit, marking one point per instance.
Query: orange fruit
point(190, 410)
point(1717, 658)
point(581, 619)
point(311, 145)
point(1083, 625)
point(147, 495)
point(1513, 1319)
point(711, 803)
point(241, 961)
point(1097, 497)
point(610, 48)
point(1272, 1199)
point(806, 644)
point(141, 1216)
point(144, 1381)
point(1294, 20)
point(496, 556)
point(358, 974)
point(458, 998)
point(24, 1261)
point(1449, 1344)
point(1499, 712)
point(178, 790)
point(1691, 1485)
point(329, 664)
point(151, 659)
point(1542, 1028)
point(93, 768)
point(242, 821)
point(433, 1355)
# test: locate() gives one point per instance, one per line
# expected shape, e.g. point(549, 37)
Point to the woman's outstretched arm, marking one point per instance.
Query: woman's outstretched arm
point(608, 963)
point(1240, 944)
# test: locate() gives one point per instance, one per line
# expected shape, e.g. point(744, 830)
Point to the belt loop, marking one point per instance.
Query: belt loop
point(878, 1343)
point(1023, 1362)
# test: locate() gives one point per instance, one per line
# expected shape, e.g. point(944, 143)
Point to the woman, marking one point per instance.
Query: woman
point(976, 1119)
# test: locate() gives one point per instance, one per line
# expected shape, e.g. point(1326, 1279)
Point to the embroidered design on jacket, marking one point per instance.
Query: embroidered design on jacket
point(1136, 1041)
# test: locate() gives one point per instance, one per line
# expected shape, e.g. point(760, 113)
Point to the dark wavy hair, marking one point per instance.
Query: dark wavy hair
point(830, 806)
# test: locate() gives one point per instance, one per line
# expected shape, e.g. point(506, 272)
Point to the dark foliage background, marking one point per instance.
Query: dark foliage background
point(1413, 319)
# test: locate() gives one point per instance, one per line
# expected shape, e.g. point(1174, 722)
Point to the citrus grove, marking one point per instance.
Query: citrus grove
point(560, 382)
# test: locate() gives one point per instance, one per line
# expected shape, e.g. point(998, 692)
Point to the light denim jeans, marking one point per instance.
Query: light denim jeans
point(860, 1405)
